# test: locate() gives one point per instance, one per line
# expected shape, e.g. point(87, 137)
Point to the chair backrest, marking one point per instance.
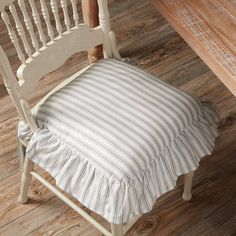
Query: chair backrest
point(43, 52)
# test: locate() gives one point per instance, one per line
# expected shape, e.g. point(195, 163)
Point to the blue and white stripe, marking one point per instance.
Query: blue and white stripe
point(117, 138)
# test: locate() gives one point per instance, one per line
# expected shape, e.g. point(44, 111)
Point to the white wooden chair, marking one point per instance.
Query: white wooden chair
point(46, 56)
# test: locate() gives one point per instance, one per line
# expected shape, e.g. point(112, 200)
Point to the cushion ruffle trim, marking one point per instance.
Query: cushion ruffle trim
point(119, 201)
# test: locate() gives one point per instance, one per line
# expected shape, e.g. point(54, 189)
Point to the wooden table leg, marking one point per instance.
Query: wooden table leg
point(90, 14)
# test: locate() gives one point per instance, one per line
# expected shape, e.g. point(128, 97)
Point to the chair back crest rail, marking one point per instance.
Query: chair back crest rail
point(42, 51)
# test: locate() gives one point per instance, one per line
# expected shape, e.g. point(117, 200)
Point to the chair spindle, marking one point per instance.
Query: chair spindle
point(13, 36)
point(54, 7)
point(38, 22)
point(20, 30)
point(47, 19)
point(29, 24)
point(75, 13)
point(66, 15)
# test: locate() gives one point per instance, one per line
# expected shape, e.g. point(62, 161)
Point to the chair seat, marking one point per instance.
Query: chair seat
point(117, 138)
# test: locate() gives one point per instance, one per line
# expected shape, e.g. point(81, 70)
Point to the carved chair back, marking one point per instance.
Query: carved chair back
point(42, 52)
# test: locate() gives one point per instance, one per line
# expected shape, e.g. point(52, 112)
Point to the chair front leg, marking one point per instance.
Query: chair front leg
point(21, 151)
point(117, 230)
point(188, 182)
point(25, 180)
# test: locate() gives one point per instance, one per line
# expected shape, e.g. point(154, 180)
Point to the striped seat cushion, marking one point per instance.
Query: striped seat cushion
point(117, 138)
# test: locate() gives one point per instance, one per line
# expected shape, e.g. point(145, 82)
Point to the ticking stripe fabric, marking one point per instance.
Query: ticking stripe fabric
point(117, 138)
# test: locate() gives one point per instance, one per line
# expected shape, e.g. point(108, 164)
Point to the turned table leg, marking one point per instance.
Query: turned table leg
point(90, 14)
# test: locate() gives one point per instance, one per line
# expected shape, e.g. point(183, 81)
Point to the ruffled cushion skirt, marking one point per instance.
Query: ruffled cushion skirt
point(117, 138)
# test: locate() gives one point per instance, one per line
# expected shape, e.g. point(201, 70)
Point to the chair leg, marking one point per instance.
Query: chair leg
point(21, 151)
point(25, 180)
point(188, 181)
point(114, 48)
point(117, 230)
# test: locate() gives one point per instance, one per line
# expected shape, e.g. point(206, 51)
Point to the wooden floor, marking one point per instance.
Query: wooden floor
point(146, 38)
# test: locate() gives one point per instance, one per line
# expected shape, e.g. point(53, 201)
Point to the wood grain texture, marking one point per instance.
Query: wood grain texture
point(209, 28)
point(90, 14)
point(151, 43)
